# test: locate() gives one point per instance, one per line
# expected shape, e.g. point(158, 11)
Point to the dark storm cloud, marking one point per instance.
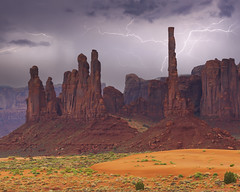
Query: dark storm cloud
point(26, 42)
point(226, 7)
point(69, 10)
point(137, 8)
point(145, 9)
point(184, 10)
point(207, 2)
point(91, 14)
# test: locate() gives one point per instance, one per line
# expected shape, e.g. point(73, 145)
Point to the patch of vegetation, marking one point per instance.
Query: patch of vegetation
point(229, 177)
point(139, 185)
point(215, 174)
point(232, 165)
point(180, 176)
point(198, 175)
point(160, 163)
point(11, 158)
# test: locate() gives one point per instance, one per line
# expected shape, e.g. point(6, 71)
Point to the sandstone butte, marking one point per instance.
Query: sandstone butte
point(82, 120)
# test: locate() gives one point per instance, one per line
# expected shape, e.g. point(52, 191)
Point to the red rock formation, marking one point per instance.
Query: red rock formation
point(157, 91)
point(68, 95)
point(113, 99)
point(135, 88)
point(190, 87)
point(220, 90)
point(36, 103)
point(175, 104)
point(81, 93)
point(197, 70)
point(146, 96)
point(51, 99)
point(184, 132)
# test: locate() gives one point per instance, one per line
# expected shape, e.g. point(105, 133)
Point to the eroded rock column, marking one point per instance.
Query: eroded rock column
point(174, 103)
point(36, 103)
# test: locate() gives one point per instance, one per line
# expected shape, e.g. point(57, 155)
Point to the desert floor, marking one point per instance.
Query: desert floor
point(175, 162)
point(176, 170)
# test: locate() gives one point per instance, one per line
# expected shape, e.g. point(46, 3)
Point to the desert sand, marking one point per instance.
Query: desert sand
point(185, 162)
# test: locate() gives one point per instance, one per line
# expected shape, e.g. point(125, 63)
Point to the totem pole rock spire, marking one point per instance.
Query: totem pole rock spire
point(174, 103)
point(172, 61)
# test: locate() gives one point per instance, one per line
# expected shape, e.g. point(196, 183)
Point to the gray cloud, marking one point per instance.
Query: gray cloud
point(26, 42)
point(226, 7)
point(146, 9)
point(77, 26)
point(69, 10)
point(183, 10)
point(140, 7)
point(207, 2)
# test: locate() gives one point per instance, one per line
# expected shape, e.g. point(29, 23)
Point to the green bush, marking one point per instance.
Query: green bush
point(198, 175)
point(229, 177)
point(139, 185)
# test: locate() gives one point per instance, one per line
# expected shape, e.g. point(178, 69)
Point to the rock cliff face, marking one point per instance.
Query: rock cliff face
point(197, 70)
point(135, 88)
point(152, 104)
point(113, 99)
point(220, 89)
point(81, 92)
point(13, 107)
point(175, 104)
point(190, 88)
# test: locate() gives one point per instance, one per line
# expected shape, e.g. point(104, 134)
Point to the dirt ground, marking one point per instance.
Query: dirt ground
point(186, 162)
point(177, 170)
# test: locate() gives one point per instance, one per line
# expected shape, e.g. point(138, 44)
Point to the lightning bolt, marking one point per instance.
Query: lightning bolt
point(130, 34)
point(39, 34)
point(207, 29)
point(15, 49)
point(127, 34)
point(210, 29)
point(7, 50)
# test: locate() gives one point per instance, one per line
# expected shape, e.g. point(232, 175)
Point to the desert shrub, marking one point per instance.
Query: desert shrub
point(229, 177)
point(180, 176)
point(139, 185)
point(215, 174)
point(198, 175)
point(11, 158)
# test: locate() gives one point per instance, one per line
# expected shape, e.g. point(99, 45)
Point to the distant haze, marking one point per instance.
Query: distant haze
point(130, 36)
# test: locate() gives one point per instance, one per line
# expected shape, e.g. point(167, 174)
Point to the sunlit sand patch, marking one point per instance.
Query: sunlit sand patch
point(174, 162)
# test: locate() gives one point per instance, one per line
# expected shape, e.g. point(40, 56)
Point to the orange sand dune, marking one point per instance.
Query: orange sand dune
point(185, 162)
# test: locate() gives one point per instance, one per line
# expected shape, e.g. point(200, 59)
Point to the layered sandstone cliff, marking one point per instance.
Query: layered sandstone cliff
point(135, 88)
point(113, 99)
point(220, 90)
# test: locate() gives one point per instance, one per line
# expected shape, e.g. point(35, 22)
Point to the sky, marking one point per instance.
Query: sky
point(129, 35)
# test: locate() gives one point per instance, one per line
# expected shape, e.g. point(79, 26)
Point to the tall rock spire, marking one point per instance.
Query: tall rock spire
point(81, 92)
point(36, 103)
point(172, 61)
point(174, 104)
